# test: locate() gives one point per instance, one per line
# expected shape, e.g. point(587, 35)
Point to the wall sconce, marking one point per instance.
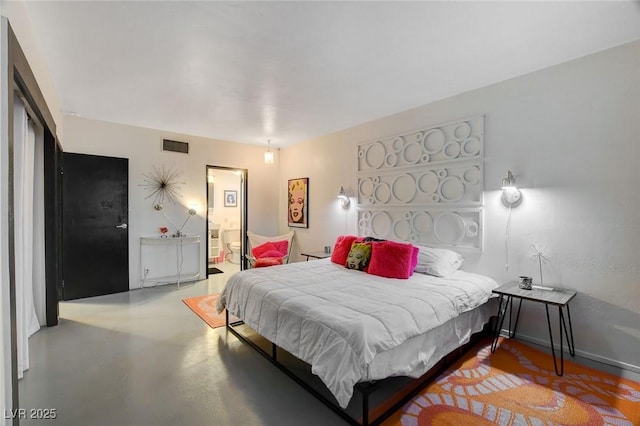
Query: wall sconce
point(344, 198)
point(511, 196)
point(268, 155)
point(191, 212)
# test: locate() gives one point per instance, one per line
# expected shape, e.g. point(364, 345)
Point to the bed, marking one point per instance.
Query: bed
point(352, 327)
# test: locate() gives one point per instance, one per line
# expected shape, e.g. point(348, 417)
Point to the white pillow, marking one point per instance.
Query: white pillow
point(438, 262)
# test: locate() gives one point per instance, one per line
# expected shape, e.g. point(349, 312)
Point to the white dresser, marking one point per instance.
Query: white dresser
point(165, 260)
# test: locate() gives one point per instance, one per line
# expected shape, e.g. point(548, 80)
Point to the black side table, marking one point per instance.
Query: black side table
point(546, 295)
point(316, 254)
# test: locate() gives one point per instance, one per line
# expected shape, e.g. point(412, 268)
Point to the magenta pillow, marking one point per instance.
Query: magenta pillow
point(259, 251)
point(414, 258)
point(391, 259)
point(341, 249)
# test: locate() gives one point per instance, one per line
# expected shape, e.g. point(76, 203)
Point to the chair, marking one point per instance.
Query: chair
point(256, 240)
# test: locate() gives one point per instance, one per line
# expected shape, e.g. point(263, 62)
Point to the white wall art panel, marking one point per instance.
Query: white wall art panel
point(451, 183)
point(424, 186)
point(447, 142)
point(435, 227)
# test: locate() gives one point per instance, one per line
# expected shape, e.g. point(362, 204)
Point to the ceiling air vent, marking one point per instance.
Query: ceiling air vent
point(175, 146)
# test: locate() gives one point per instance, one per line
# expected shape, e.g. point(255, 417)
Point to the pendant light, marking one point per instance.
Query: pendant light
point(268, 155)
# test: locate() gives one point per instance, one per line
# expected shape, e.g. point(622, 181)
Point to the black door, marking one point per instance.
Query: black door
point(95, 207)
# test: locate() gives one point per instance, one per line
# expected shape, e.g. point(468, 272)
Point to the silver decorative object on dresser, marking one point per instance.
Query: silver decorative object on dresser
point(525, 283)
point(424, 186)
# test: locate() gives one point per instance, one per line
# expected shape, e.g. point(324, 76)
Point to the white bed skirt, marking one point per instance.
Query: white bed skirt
point(432, 346)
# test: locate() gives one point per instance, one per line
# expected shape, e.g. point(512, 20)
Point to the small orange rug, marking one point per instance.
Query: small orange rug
point(205, 308)
point(517, 385)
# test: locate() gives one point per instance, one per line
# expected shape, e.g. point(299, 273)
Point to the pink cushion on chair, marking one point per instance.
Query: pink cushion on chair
point(271, 249)
point(259, 251)
point(272, 253)
point(267, 261)
point(391, 259)
point(281, 246)
point(341, 249)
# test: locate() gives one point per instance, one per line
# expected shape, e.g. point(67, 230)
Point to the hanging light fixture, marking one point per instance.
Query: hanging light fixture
point(511, 195)
point(344, 198)
point(268, 155)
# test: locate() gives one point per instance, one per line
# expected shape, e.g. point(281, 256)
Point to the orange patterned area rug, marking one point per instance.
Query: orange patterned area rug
point(205, 308)
point(517, 385)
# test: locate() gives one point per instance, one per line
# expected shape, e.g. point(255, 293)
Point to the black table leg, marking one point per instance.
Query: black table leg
point(560, 371)
point(570, 344)
point(560, 323)
point(502, 312)
point(512, 334)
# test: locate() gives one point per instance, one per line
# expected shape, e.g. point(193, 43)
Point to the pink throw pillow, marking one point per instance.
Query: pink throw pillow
point(414, 258)
point(258, 251)
point(341, 249)
point(391, 259)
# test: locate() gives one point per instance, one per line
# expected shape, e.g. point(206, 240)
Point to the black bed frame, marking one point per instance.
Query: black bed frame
point(364, 388)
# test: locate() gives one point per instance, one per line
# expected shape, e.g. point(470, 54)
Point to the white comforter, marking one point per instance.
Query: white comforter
point(337, 319)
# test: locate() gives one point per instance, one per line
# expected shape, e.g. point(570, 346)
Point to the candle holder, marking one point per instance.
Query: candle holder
point(525, 282)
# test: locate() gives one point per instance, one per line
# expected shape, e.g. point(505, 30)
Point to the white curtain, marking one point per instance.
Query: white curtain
point(39, 277)
point(24, 147)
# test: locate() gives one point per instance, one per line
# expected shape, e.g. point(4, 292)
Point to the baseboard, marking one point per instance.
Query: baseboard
point(581, 354)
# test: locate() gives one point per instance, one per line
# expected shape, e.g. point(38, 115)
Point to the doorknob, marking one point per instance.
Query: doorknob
point(123, 226)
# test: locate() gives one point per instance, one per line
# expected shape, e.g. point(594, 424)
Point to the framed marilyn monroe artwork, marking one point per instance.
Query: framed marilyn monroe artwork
point(298, 201)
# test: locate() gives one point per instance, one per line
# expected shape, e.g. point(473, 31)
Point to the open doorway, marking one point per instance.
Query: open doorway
point(226, 219)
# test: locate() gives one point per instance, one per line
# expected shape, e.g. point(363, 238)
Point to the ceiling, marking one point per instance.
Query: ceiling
point(292, 71)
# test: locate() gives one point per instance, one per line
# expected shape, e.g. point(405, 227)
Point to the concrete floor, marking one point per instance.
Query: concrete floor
point(144, 358)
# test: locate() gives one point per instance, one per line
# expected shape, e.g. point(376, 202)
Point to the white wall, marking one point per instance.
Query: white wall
point(329, 162)
point(571, 135)
point(143, 148)
point(21, 25)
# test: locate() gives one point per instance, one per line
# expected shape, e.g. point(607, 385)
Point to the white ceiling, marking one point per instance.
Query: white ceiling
point(291, 71)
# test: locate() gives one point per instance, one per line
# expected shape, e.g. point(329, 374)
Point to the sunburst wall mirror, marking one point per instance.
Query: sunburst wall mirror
point(163, 185)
